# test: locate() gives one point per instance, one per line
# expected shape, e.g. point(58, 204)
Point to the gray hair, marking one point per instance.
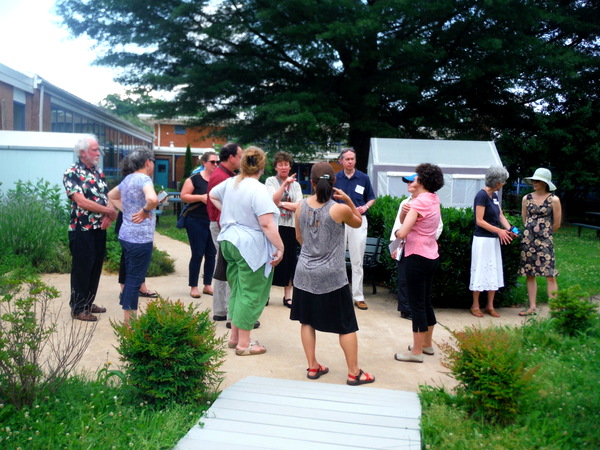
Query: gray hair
point(494, 175)
point(136, 159)
point(83, 143)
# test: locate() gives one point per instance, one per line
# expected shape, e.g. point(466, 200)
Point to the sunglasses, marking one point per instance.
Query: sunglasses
point(213, 162)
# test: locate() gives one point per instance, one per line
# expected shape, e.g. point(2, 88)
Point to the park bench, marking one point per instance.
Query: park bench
point(370, 261)
point(586, 225)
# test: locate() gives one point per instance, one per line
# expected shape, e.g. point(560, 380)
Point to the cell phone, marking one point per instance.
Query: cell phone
point(162, 195)
point(515, 230)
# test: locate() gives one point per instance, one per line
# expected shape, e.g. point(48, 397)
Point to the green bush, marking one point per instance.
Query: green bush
point(160, 264)
point(572, 311)
point(381, 221)
point(171, 352)
point(491, 368)
point(451, 281)
point(33, 224)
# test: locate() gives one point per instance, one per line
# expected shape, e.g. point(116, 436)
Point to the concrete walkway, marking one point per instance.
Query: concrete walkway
point(382, 333)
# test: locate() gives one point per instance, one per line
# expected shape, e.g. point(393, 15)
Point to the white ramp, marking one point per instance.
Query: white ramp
point(271, 413)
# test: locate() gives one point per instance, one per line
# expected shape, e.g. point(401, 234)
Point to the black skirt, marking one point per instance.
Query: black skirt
point(284, 271)
point(332, 312)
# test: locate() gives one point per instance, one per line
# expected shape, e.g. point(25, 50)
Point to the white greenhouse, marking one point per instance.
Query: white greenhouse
point(464, 164)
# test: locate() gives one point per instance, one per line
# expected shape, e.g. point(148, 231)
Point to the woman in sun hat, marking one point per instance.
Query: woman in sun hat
point(542, 215)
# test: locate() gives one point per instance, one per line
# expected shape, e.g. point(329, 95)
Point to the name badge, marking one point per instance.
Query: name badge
point(359, 189)
point(496, 201)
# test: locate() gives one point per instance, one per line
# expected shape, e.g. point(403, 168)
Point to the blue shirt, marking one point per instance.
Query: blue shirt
point(358, 187)
point(491, 214)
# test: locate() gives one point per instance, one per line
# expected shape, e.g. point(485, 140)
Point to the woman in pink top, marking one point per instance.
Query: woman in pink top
point(421, 252)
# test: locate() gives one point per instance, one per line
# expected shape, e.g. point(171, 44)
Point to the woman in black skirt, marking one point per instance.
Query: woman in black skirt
point(287, 193)
point(322, 298)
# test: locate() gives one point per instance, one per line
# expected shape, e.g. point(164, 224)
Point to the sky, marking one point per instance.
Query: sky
point(34, 42)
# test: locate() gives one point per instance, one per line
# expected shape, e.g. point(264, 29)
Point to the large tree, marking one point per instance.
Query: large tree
point(299, 71)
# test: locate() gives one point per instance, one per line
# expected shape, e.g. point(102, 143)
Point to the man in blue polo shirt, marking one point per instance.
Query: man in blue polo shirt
point(358, 187)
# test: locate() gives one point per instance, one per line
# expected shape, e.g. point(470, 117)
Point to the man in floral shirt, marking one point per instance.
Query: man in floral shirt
point(91, 214)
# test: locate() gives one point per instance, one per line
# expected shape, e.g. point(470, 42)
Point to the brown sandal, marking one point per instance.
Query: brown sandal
point(476, 312)
point(492, 312)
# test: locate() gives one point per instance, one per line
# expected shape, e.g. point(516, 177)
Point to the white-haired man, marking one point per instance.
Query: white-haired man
point(91, 214)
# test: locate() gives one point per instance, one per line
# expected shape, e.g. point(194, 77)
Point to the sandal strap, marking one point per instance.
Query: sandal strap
point(356, 377)
point(319, 369)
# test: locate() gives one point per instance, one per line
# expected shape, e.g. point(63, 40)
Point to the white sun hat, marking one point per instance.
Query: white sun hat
point(544, 175)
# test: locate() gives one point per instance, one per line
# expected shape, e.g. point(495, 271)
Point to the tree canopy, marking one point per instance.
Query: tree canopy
point(294, 72)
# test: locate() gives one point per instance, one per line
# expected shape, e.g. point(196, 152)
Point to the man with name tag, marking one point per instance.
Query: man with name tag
point(357, 186)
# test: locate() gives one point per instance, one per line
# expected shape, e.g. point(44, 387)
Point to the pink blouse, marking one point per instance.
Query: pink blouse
point(421, 239)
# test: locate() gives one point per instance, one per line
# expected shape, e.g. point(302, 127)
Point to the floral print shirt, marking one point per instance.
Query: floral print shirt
point(91, 183)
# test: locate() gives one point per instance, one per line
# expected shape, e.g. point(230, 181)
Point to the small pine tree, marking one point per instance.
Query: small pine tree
point(187, 163)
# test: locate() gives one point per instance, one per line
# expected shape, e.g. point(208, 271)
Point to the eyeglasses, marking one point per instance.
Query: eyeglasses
point(213, 162)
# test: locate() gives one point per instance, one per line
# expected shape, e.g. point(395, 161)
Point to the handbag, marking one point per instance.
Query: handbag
point(186, 209)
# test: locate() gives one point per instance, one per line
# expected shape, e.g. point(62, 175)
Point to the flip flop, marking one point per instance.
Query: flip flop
point(528, 312)
point(149, 294)
point(356, 381)
point(248, 351)
point(476, 312)
point(491, 312)
point(317, 372)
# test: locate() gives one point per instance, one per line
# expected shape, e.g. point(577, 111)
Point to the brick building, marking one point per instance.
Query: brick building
point(171, 138)
point(32, 104)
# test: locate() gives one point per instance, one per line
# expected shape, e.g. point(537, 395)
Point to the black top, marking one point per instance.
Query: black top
point(200, 188)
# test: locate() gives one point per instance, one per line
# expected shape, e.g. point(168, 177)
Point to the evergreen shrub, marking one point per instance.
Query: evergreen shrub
point(171, 353)
point(451, 281)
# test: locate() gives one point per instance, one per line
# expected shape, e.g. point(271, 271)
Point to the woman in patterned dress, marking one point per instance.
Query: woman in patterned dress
point(542, 214)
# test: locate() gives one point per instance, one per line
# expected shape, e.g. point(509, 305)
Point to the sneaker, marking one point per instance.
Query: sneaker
point(426, 350)
point(408, 357)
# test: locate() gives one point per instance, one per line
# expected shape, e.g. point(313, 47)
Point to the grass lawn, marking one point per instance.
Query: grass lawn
point(166, 226)
point(577, 261)
point(94, 413)
point(560, 411)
